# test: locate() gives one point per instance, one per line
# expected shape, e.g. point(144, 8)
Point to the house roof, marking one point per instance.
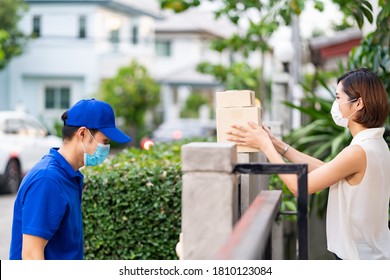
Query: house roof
point(195, 21)
point(188, 75)
point(152, 6)
point(338, 45)
point(123, 6)
point(338, 37)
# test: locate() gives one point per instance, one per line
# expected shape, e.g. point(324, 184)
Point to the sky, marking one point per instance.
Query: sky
point(311, 19)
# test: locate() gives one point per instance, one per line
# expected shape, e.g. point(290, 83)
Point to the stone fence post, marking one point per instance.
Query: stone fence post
point(209, 198)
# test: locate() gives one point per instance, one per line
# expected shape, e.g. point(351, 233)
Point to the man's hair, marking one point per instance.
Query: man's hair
point(364, 84)
point(69, 131)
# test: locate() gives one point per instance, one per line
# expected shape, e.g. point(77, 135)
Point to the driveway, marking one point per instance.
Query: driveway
point(6, 212)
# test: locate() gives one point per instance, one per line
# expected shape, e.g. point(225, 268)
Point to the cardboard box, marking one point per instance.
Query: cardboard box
point(235, 98)
point(226, 117)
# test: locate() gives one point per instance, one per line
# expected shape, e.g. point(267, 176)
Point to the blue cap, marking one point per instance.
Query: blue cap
point(96, 114)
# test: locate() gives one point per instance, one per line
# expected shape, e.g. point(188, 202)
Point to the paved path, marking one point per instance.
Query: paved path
point(6, 211)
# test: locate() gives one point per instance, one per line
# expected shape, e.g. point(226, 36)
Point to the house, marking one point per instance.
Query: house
point(327, 51)
point(76, 44)
point(182, 42)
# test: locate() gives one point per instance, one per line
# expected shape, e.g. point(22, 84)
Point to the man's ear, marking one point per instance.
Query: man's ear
point(81, 132)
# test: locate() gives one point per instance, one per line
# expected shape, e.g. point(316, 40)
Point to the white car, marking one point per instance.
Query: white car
point(178, 129)
point(23, 142)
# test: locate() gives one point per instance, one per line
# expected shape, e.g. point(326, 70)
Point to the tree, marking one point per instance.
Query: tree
point(192, 105)
point(263, 18)
point(132, 92)
point(255, 39)
point(12, 40)
point(374, 51)
point(238, 75)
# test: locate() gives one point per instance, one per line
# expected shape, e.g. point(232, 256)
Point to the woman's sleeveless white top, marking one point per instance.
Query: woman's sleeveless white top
point(357, 216)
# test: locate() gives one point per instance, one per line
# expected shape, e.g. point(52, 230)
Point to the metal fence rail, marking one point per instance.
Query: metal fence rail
point(251, 236)
point(302, 199)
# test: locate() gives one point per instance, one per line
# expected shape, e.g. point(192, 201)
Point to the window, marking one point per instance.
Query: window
point(22, 126)
point(36, 29)
point(82, 26)
point(114, 36)
point(163, 48)
point(13, 126)
point(134, 34)
point(57, 97)
point(35, 129)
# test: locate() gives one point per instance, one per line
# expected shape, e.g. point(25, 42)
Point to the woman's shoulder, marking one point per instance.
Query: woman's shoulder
point(354, 150)
point(353, 156)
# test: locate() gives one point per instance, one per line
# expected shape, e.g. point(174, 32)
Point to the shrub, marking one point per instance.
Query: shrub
point(132, 205)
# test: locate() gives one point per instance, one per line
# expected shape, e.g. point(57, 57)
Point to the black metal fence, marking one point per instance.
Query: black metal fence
point(301, 171)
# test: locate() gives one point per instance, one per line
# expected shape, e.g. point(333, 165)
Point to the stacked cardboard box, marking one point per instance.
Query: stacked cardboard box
point(236, 107)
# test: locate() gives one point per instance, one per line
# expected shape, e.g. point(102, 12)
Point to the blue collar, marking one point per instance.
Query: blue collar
point(65, 164)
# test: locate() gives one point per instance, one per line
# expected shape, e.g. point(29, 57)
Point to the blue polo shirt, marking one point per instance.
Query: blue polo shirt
point(48, 205)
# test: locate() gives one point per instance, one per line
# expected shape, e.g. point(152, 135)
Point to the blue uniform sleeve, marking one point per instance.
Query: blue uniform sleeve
point(43, 209)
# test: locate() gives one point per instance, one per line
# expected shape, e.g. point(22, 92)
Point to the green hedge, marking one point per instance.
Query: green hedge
point(132, 205)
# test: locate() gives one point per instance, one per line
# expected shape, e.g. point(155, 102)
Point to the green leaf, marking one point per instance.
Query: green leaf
point(368, 5)
point(367, 13)
point(359, 18)
point(290, 206)
point(319, 5)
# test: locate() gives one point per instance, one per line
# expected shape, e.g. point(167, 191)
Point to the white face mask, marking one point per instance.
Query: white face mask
point(338, 116)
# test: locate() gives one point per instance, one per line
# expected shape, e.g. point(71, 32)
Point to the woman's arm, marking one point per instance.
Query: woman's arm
point(292, 154)
point(350, 163)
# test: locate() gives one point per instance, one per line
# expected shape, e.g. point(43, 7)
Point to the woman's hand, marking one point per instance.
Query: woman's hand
point(271, 136)
point(253, 136)
point(278, 144)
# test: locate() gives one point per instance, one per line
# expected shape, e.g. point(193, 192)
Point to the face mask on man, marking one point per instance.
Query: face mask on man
point(338, 116)
point(100, 154)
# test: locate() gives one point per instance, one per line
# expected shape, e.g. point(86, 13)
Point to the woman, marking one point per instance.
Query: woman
point(358, 177)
